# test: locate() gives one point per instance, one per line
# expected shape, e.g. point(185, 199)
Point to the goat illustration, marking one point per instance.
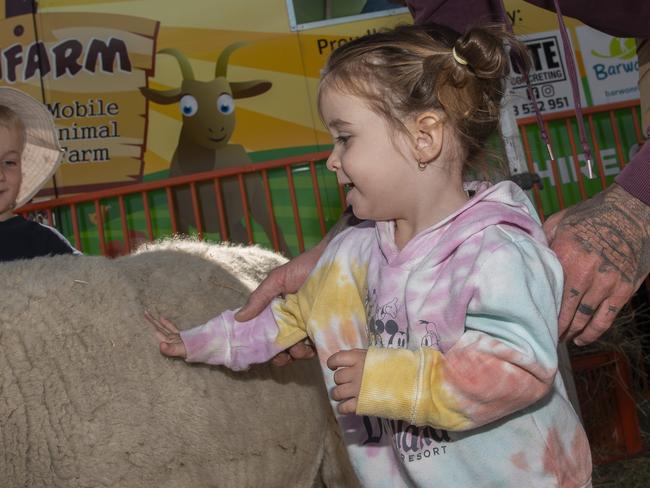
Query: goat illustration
point(208, 110)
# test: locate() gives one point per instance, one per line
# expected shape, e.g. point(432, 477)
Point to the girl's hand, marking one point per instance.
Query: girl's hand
point(169, 336)
point(349, 372)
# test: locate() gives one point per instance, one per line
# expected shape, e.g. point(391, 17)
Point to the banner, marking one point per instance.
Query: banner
point(548, 77)
point(611, 66)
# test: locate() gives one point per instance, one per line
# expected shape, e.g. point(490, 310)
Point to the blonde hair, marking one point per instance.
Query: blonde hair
point(10, 120)
point(409, 70)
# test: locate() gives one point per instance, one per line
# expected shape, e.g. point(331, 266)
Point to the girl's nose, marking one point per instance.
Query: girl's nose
point(333, 162)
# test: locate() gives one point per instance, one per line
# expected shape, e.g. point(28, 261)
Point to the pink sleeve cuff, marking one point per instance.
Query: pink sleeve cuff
point(236, 345)
point(208, 343)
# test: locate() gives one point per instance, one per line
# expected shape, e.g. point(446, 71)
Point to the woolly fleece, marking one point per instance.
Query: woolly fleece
point(87, 400)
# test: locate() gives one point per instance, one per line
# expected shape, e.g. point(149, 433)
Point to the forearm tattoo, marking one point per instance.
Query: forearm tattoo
point(616, 226)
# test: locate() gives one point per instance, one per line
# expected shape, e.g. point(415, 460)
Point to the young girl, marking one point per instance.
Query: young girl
point(30, 155)
point(435, 320)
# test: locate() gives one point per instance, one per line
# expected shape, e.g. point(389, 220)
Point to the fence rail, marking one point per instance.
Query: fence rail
point(68, 218)
point(612, 131)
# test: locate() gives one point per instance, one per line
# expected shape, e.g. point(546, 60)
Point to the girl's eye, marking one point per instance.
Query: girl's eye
point(342, 139)
point(189, 105)
point(9, 162)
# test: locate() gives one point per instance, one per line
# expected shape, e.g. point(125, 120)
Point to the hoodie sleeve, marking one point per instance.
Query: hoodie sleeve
point(237, 345)
point(504, 361)
point(328, 303)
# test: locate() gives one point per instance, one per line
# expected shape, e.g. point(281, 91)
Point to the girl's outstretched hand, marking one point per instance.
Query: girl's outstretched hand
point(348, 367)
point(169, 336)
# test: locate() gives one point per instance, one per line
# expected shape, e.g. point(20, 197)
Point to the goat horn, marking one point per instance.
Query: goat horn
point(186, 67)
point(222, 62)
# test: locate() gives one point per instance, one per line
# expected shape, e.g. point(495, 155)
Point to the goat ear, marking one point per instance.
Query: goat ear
point(244, 89)
point(162, 97)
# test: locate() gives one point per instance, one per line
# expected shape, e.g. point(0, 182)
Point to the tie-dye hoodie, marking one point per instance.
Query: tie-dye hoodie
point(459, 386)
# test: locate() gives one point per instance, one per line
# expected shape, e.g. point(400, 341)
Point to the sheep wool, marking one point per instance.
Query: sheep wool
point(89, 402)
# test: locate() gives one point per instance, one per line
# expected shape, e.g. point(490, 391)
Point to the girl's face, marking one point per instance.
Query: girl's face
point(11, 148)
point(374, 163)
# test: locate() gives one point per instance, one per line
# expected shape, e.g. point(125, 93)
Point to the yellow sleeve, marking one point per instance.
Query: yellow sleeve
point(291, 314)
point(408, 385)
point(328, 308)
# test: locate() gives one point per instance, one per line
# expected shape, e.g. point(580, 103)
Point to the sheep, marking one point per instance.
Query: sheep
point(208, 109)
point(87, 400)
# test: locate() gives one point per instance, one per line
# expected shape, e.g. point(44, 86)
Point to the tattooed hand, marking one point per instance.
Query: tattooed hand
point(604, 247)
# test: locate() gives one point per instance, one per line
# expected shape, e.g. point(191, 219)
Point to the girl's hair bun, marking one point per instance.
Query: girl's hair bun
point(484, 49)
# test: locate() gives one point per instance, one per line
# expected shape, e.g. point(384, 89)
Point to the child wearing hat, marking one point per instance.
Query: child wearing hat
point(29, 155)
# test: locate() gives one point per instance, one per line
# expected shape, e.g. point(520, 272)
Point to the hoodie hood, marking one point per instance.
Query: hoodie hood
point(502, 204)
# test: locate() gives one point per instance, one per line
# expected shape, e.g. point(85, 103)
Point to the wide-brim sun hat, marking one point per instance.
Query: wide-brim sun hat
point(42, 153)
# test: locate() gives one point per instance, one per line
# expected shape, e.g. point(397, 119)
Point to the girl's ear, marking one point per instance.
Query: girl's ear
point(428, 132)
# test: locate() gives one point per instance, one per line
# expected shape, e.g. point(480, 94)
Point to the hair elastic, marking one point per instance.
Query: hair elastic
point(457, 58)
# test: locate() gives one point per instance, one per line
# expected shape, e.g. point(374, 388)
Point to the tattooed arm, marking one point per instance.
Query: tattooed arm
point(604, 247)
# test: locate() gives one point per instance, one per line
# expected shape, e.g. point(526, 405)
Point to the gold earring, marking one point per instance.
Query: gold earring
point(422, 165)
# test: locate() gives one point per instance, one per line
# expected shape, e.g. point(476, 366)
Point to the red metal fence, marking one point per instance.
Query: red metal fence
point(568, 118)
point(192, 181)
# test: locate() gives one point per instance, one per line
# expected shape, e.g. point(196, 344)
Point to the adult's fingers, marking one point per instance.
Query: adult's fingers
point(302, 350)
point(589, 304)
point(571, 297)
point(271, 287)
point(579, 276)
point(603, 318)
point(287, 278)
point(596, 327)
point(281, 359)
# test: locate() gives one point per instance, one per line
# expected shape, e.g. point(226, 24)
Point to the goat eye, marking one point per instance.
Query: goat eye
point(225, 104)
point(189, 105)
